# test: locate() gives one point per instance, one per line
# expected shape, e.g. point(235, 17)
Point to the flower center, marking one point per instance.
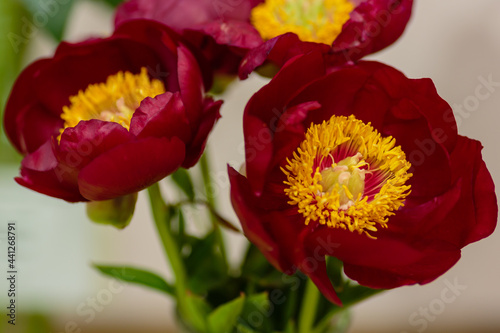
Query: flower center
point(346, 175)
point(318, 21)
point(116, 100)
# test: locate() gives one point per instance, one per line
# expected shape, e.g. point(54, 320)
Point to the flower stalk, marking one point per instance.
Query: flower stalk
point(161, 218)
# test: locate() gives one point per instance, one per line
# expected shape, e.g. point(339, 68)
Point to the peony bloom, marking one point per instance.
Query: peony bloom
point(109, 117)
point(346, 30)
point(273, 31)
point(363, 164)
point(220, 29)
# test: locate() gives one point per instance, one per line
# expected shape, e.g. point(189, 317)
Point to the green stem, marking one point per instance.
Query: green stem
point(207, 182)
point(161, 217)
point(309, 307)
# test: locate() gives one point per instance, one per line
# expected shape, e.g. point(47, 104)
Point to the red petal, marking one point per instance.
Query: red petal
point(162, 116)
point(374, 25)
point(42, 173)
point(246, 207)
point(190, 83)
point(195, 148)
point(88, 140)
point(130, 167)
point(278, 51)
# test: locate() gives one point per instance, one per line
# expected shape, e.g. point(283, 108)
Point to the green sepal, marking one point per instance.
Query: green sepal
point(197, 312)
point(117, 212)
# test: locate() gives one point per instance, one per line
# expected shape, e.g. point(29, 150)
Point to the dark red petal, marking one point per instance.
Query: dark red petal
point(475, 213)
point(196, 146)
point(155, 38)
point(374, 25)
point(417, 97)
point(252, 220)
point(320, 278)
point(35, 126)
point(278, 51)
point(430, 267)
point(86, 141)
point(258, 151)
point(233, 33)
point(289, 131)
point(18, 108)
point(69, 71)
point(130, 167)
point(356, 249)
point(190, 83)
point(41, 172)
point(162, 116)
point(486, 204)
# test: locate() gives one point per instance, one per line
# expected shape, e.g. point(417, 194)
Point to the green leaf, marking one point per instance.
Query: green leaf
point(137, 276)
point(255, 264)
point(197, 312)
point(48, 15)
point(183, 180)
point(223, 319)
point(256, 314)
point(205, 265)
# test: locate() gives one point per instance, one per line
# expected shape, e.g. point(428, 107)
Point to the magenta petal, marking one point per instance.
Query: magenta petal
point(130, 167)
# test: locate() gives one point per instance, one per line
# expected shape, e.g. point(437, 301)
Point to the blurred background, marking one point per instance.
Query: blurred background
point(454, 42)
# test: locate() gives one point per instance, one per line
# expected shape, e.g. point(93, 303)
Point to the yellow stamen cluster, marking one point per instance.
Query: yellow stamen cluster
point(116, 100)
point(317, 21)
point(318, 193)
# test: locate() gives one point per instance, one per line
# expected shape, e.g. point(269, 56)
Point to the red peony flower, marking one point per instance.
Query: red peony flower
point(110, 117)
point(274, 31)
point(220, 29)
point(363, 164)
point(346, 30)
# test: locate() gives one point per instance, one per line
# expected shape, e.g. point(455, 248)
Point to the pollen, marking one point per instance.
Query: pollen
point(346, 175)
point(317, 21)
point(115, 100)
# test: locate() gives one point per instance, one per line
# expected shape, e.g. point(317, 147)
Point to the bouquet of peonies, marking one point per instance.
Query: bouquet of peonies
point(337, 197)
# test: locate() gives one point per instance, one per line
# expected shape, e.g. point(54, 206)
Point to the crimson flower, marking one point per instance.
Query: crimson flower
point(220, 29)
point(346, 30)
point(362, 164)
point(108, 117)
point(273, 31)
